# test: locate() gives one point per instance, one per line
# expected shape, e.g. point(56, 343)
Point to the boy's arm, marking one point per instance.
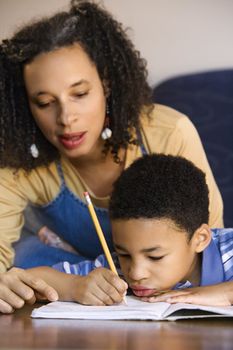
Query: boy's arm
point(215, 295)
point(99, 287)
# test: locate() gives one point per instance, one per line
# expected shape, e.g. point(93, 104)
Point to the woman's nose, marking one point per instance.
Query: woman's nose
point(66, 115)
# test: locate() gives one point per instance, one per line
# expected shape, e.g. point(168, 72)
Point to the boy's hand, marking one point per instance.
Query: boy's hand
point(100, 287)
point(18, 287)
point(215, 295)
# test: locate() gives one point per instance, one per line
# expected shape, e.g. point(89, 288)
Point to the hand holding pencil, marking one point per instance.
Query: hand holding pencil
point(101, 236)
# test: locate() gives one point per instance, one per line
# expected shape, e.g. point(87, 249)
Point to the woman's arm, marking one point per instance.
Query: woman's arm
point(100, 287)
point(171, 132)
point(17, 189)
point(12, 205)
point(18, 287)
point(193, 150)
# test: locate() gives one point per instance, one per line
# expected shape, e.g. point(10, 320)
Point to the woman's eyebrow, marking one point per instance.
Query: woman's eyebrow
point(77, 83)
point(80, 82)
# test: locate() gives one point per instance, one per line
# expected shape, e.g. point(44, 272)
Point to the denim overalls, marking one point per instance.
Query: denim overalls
point(68, 216)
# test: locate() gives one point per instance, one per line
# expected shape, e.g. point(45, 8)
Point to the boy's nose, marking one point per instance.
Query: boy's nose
point(137, 272)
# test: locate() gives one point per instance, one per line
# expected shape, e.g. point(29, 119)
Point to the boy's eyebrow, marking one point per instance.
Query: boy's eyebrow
point(146, 250)
point(78, 83)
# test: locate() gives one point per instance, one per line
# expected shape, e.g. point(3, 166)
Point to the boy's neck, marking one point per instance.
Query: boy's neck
point(195, 275)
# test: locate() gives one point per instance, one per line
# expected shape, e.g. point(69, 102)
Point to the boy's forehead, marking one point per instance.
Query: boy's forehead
point(145, 223)
point(143, 226)
point(143, 234)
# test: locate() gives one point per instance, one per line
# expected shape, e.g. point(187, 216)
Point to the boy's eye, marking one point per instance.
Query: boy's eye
point(121, 255)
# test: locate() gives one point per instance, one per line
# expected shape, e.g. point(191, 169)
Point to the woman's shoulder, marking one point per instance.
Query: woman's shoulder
point(164, 117)
point(167, 130)
point(17, 175)
point(30, 184)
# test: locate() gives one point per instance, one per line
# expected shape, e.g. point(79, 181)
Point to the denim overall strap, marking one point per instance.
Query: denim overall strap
point(142, 146)
point(68, 216)
point(61, 175)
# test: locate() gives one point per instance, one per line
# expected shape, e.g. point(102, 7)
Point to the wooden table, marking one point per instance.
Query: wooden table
point(19, 331)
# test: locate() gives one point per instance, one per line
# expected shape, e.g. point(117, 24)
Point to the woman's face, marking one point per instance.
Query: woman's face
point(67, 100)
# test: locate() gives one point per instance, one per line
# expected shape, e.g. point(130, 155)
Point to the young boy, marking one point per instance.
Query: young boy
point(165, 248)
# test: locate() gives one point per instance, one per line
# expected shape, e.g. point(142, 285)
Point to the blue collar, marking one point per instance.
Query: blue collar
point(212, 266)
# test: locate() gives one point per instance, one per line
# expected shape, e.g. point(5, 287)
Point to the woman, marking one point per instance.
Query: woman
point(75, 111)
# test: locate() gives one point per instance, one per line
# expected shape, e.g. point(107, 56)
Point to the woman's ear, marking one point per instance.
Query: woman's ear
point(106, 88)
point(201, 238)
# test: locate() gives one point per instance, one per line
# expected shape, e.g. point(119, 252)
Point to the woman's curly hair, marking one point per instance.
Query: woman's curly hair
point(116, 60)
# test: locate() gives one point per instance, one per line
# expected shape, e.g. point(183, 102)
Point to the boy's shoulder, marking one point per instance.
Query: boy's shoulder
point(222, 234)
point(223, 238)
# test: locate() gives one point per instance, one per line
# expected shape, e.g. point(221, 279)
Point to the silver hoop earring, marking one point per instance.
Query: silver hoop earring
point(34, 151)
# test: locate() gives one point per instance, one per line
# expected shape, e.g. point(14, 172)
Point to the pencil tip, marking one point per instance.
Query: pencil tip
point(125, 301)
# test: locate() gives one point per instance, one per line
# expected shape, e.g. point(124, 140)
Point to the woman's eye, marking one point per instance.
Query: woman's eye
point(155, 258)
point(43, 104)
point(80, 94)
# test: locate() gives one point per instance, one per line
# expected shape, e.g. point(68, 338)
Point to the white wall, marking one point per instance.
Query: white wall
point(175, 36)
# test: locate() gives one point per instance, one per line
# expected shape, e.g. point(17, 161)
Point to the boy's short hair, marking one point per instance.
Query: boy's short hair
point(161, 186)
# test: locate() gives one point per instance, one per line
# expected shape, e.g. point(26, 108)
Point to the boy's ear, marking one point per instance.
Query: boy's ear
point(201, 238)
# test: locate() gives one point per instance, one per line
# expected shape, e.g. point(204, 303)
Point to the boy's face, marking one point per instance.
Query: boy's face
point(154, 254)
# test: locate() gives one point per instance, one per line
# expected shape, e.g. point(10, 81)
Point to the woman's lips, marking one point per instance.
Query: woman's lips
point(143, 291)
point(72, 141)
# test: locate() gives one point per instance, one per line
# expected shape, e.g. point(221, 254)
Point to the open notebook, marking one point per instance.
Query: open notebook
point(135, 310)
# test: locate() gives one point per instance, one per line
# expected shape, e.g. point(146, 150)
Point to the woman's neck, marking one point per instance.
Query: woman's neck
point(99, 171)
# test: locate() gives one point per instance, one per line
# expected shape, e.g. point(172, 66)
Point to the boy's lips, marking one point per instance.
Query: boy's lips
point(72, 140)
point(141, 291)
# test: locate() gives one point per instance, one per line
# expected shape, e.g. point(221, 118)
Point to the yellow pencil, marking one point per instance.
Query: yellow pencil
point(100, 235)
